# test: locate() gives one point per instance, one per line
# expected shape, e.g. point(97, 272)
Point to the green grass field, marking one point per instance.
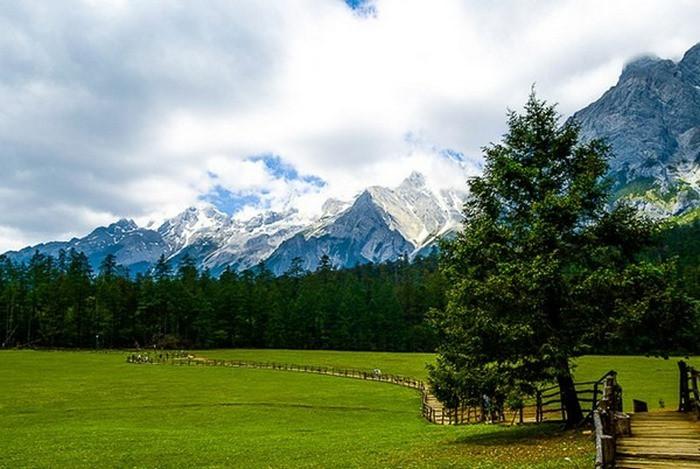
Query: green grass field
point(644, 378)
point(83, 409)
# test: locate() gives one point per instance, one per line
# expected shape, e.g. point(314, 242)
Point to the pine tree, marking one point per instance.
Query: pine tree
point(534, 277)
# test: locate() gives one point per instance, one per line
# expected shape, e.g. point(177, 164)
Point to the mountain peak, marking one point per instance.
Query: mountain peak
point(643, 65)
point(332, 207)
point(650, 119)
point(202, 214)
point(692, 54)
point(690, 64)
point(124, 224)
point(415, 179)
point(205, 209)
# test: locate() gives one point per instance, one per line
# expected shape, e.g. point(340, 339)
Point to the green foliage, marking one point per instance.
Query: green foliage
point(543, 272)
point(680, 242)
point(646, 188)
point(60, 302)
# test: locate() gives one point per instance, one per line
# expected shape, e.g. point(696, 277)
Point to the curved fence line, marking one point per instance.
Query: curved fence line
point(547, 406)
point(431, 409)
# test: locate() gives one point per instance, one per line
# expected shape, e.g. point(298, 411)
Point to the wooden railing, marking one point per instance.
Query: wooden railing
point(441, 415)
point(431, 409)
point(547, 406)
point(609, 422)
point(549, 401)
point(689, 396)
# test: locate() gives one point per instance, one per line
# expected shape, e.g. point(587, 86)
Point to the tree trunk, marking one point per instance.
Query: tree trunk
point(570, 401)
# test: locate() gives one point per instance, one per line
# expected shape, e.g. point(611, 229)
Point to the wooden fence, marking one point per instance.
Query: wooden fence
point(431, 409)
point(609, 422)
point(549, 401)
point(689, 396)
point(546, 407)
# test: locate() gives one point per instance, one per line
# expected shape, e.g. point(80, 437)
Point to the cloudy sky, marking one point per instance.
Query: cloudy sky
point(138, 109)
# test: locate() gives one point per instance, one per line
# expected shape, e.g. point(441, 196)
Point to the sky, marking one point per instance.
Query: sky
point(138, 109)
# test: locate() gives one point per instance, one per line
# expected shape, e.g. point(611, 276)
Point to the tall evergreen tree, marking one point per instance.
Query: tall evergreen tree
point(534, 275)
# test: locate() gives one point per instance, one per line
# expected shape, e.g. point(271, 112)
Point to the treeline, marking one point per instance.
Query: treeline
point(61, 302)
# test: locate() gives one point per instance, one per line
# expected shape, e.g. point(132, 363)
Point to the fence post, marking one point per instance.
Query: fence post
point(594, 404)
point(696, 391)
point(563, 405)
point(684, 397)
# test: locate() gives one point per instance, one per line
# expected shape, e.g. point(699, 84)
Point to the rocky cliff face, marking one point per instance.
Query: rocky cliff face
point(651, 119)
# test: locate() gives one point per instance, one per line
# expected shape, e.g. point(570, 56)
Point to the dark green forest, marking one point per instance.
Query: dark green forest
point(62, 302)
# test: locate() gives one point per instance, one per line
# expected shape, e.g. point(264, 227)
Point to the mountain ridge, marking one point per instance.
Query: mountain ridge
point(374, 227)
point(650, 118)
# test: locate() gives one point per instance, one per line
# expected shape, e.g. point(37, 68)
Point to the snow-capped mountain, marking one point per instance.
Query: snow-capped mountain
point(194, 225)
point(251, 242)
point(380, 224)
point(651, 119)
point(418, 213)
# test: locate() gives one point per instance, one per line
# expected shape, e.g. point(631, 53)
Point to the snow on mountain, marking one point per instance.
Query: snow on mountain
point(192, 225)
point(355, 236)
point(250, 242)
point(332, 207)
point(381, 224)
point(416, 211)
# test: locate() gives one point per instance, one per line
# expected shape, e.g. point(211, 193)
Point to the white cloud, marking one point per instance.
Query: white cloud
point(126, 109)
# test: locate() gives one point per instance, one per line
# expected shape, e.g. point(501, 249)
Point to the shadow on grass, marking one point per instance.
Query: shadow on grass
point(502, 435)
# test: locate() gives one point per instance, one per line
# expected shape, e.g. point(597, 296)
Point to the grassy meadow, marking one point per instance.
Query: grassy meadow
point(85, 409)
point(645, 378)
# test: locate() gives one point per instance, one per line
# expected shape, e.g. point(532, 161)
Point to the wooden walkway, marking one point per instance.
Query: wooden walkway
point(665, 439)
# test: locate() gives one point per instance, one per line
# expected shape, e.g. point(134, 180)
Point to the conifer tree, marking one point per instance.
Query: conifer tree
point(543, 270)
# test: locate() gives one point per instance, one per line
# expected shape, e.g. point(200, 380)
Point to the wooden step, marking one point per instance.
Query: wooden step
point(659, 443)
point(660, 440)
point(655, 452)
point(637, 463)
point(648, 434)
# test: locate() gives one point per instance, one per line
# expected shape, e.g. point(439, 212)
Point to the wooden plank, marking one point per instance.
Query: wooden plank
point(659, 454)
point(660, 439)
point(636, 463)
point(660, 442)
